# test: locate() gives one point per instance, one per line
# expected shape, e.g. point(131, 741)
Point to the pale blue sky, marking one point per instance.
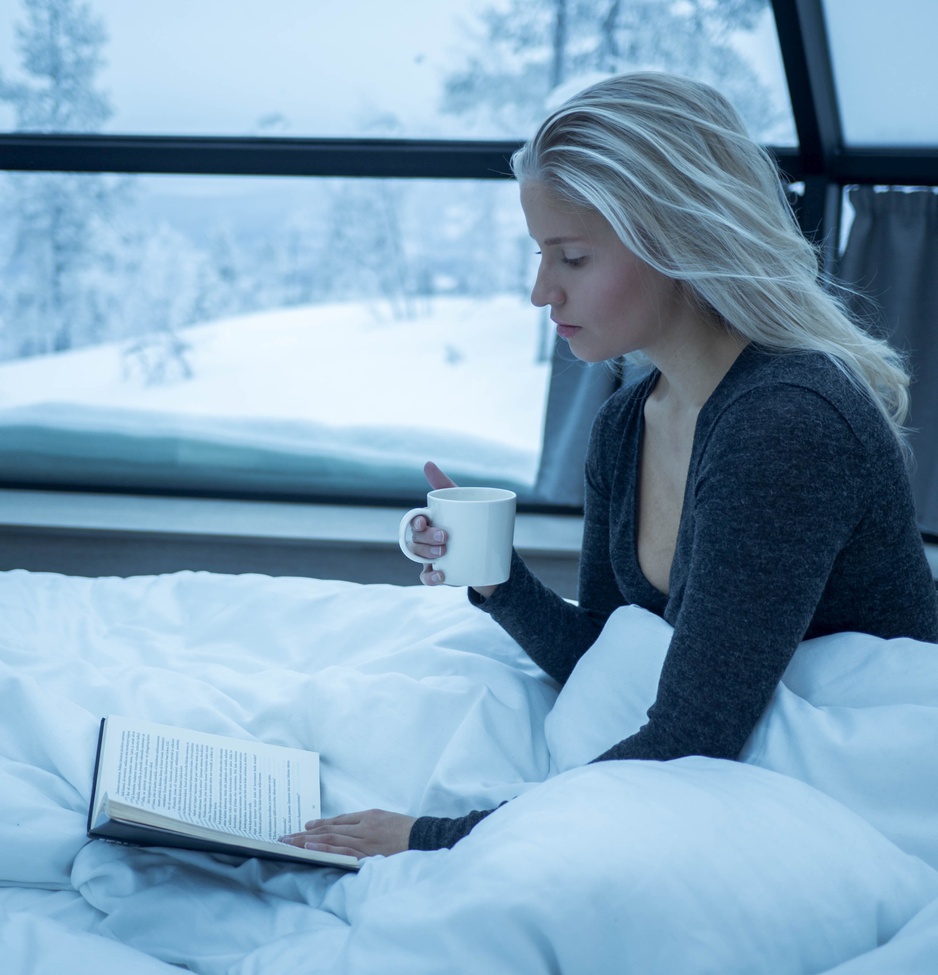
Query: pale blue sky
point(221, 66)
point(217, 66)
point(884, 60)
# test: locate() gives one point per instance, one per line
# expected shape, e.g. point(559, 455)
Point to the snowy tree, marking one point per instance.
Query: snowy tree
point(291, 264)
point(526, 55)
point(60, 45)
point(525, 50)
point(366, 252)
point(223, 285)
point(53, 216)
point(367, 249)
point(162, 285)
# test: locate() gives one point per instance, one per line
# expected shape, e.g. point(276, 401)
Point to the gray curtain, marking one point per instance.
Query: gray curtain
point(891, 256)
point(577, 390)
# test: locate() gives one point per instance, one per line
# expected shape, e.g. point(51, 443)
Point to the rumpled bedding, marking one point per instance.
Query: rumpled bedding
point(818, 853)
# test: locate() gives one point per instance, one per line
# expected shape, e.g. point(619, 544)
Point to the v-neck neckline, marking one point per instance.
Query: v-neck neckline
point(659, 597)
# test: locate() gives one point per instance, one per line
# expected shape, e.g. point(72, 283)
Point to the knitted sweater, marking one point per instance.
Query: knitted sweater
point(797, 521)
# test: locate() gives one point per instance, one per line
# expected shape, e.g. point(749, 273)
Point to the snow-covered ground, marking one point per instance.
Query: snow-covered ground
point(326, 380)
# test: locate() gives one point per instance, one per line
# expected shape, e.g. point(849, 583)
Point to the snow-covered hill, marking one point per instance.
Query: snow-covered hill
point(306, 398)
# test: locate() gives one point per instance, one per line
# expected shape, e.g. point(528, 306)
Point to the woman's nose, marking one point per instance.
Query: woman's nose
point(545, 292)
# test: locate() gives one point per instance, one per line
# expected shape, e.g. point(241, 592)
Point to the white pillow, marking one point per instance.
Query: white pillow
point(608, 695)
point(855, 716)
point(661, 868)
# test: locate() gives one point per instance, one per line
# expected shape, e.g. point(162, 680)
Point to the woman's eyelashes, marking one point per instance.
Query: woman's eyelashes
point(568, 261)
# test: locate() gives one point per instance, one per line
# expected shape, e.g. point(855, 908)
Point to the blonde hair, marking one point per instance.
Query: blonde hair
point(669, 163)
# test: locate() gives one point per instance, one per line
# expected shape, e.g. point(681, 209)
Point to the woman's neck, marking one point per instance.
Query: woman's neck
point(693, 365)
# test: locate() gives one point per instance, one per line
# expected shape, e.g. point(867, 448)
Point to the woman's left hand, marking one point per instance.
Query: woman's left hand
point(374, 832)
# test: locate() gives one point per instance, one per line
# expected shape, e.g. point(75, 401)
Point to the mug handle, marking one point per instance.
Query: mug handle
point(402, 534)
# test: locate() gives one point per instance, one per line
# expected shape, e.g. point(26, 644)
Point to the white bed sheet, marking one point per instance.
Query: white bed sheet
point(419, 703)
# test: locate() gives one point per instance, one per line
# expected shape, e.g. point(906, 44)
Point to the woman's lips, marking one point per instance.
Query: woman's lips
point(567, 331)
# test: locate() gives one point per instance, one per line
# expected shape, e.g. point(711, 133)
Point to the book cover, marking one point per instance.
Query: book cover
point(158, 785)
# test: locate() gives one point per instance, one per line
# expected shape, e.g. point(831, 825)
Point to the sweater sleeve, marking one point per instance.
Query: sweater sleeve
point(780, 487)
point(552, 631)
point(439, 833)
point(555, 635)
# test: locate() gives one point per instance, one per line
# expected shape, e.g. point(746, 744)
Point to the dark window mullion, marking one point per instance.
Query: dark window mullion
point(887, 165)
point(273, 157)
point(802, 37)
point(257, 157)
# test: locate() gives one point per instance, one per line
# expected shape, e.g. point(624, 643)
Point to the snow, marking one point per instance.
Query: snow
point(338, 387)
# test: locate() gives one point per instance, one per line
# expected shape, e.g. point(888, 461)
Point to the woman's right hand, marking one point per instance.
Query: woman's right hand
point(429, 542)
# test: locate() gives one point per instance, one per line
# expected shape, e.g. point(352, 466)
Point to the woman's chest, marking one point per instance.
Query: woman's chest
point(651, 503)
point(663, 463)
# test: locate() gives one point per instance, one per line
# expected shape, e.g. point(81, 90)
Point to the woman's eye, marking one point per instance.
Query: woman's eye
point(568, 261)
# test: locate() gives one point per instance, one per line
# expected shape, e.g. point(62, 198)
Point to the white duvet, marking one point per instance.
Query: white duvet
point(818, 854)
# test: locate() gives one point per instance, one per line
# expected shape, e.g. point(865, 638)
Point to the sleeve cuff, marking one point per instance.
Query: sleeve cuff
point(439, 833)
point(503, 592)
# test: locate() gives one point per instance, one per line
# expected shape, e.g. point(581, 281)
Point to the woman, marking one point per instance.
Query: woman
point(751, 488)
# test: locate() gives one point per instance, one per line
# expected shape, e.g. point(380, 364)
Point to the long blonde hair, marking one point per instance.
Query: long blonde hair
point(669, 163)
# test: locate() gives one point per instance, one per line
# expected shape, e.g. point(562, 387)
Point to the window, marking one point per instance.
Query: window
point(333, 320)
point(285, 335)
point(884, 98)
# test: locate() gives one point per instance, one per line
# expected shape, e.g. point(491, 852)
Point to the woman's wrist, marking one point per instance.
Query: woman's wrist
point(485, 592)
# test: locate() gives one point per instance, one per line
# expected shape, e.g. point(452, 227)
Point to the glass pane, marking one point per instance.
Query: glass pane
point(420, 69)
point(289, 336)
point(884, 70)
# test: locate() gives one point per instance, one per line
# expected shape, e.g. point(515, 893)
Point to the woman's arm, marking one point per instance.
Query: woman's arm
point(779, 490)
point(552, 631)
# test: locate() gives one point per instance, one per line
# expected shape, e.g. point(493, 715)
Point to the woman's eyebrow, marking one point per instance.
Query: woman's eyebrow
point(553, 241)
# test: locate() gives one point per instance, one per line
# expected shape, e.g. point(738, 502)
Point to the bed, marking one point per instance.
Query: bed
point(818, 853)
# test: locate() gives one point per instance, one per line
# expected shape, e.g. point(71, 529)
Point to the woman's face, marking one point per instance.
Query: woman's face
point(604, 300)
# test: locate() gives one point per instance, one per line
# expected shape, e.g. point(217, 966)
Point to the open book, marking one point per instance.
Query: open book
point(155, 785)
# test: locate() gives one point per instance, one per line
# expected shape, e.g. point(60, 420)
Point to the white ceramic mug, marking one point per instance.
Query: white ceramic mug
point(480, 525)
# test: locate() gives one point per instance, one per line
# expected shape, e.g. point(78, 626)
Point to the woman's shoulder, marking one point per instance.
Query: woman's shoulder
point(616, 429)
point(806, 388)
point(621, 406)
point(771, 370)
point(790, 426)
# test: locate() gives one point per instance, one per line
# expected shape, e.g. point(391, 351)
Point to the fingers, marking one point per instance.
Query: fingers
point(427, 542)
point(347, 819)
point(431, 577)
point(436, 477)
point(362, 834)
point(319, 836)
point(324, 844)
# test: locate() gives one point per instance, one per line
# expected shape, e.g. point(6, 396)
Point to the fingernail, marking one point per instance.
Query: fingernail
point(436, 576)
point(436, 550)
point(438, 537)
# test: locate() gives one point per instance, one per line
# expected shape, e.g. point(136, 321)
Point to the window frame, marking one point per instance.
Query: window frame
point(820, 161)
point(825, 163)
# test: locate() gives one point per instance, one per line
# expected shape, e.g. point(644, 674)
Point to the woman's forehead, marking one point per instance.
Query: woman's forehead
point(553, 219)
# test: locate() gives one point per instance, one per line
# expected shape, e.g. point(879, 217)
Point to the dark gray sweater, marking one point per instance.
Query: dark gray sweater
point(797, 521)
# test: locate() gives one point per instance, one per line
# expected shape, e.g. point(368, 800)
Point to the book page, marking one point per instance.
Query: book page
point(244, 788)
